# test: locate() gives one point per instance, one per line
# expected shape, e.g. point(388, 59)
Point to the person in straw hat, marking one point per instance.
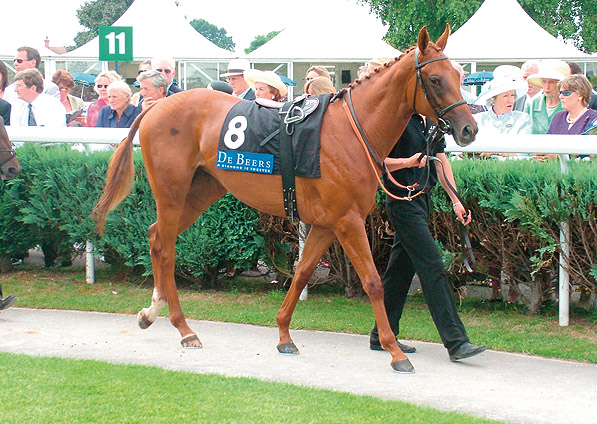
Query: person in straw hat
point(544, 106)
point(267, 85)
point(235, 75)
point(499, 95)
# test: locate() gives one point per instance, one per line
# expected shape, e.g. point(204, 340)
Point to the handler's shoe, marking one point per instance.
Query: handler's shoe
point(403, 347)
point(466, 350)
point(7, 302)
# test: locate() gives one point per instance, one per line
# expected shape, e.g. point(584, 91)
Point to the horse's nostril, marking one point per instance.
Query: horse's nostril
point(467, 131)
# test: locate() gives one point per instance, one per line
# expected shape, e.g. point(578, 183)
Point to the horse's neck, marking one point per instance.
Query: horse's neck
point(382, 106)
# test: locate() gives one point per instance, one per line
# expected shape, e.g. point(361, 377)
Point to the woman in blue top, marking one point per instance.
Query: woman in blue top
point(119, 113)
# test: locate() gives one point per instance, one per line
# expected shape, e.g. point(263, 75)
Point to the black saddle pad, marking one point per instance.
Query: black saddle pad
point(250, 140)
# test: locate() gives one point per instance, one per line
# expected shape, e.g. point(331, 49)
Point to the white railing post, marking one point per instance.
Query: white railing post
point(89, 264)
point(302, 236)
point(564, 269)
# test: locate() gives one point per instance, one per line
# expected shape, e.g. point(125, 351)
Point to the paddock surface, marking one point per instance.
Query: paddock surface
point(510, 387)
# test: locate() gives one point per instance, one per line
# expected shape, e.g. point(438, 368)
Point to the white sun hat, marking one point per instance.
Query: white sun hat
point(266, 77)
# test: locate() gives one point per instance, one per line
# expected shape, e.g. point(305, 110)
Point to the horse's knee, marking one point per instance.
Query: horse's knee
point(373, 288)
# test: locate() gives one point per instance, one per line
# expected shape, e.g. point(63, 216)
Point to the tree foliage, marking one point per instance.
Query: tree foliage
point(260, 40)
point(571, 19)
point(214, 34)
point(94, 14)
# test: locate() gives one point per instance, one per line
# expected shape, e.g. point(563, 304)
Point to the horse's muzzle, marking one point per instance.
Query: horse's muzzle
point(10, 173)
point(466, 135)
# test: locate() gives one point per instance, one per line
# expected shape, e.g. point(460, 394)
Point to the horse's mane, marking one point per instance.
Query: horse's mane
point(382, 68)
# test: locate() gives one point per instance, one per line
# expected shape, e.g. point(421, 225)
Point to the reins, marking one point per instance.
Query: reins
point(439, 130)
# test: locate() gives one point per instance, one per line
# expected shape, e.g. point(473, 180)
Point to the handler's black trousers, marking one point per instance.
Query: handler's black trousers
point(414, 250)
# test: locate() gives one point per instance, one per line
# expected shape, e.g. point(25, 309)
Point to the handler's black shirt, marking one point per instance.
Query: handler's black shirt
point(410, 142)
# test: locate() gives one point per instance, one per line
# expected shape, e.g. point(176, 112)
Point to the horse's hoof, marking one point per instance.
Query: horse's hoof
point(288, 348)
point(403, 366)
point(191, 341)
point(143, 321)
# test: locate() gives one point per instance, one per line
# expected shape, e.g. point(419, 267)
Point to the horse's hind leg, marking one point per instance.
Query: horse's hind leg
point(317, 242)
point(353, 238)
point(204, 191)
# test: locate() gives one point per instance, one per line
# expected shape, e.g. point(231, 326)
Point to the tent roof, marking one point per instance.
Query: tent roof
point(351, 35)
point(502, 31)
point(168, 36)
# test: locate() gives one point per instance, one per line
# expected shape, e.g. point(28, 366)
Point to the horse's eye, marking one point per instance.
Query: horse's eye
point(434, 80)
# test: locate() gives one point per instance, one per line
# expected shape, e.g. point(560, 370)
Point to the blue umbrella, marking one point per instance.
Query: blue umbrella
point(287, 81)
point(478, 78)
point(84, 78)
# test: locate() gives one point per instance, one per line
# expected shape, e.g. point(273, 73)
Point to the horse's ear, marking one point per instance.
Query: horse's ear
point(443, 39)
point(423, 39)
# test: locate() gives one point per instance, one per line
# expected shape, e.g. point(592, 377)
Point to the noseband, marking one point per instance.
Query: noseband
point(13, 154)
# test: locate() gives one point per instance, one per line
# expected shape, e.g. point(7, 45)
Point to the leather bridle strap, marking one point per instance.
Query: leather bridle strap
point(442, 125)
point(371, 156)
point(12, 155)
point(465, 245)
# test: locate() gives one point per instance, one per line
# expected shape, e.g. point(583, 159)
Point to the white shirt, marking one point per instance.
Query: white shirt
point(47, 110)
point(50, 89)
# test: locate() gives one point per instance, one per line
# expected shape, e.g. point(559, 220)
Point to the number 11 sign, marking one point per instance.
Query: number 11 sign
point(116, 44)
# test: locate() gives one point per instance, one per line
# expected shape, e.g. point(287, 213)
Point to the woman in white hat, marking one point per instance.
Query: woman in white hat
point(499, 95)
point(267, 85)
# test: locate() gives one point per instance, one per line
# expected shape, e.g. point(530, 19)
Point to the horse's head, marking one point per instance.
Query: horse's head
point(9, 165)
point(437, 89)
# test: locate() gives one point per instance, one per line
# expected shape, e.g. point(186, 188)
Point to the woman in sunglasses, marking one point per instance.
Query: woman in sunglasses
point(576, 118)
point(102, 81)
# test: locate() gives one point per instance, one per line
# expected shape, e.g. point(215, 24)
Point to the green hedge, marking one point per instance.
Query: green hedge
point(517, 207)
point(50, 202)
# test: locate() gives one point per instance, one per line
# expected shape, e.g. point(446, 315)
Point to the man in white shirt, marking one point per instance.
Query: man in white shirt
point(36, 108)
point(29, 58)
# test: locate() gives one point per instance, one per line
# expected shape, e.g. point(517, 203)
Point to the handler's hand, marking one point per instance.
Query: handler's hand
point(460, 212)
point(414, 162)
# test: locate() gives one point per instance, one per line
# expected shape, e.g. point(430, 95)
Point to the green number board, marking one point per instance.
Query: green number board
point(116, 44)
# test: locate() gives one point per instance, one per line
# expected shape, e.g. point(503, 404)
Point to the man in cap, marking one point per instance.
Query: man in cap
point(544, 106)
point(235, 75)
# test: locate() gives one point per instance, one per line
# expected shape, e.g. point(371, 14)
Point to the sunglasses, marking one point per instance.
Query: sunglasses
point(167, 71)
point(19, 60)
point(102, 85)
point(566, 93)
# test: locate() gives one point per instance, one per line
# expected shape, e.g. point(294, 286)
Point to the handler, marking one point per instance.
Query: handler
point(414, 249)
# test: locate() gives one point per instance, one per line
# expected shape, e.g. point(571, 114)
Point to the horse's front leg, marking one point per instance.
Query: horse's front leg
point(317, 242)
point(353, 237)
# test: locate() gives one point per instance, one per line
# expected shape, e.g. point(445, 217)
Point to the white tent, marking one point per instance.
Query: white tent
point(341, 43)
point(352, 34)
point(159, 30)
point(501, 31)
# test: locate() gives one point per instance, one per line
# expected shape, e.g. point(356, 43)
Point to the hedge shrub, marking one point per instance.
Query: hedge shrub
point(517, 207)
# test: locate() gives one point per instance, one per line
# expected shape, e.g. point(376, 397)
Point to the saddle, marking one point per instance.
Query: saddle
point(276, 139)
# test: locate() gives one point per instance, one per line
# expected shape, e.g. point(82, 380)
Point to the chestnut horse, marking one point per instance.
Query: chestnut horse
point(179, 140)
point(9, 165)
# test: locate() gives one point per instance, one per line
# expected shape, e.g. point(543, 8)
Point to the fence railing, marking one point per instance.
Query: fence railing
point(562, 145)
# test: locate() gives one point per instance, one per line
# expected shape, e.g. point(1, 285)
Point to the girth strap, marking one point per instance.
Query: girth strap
point(287, 165)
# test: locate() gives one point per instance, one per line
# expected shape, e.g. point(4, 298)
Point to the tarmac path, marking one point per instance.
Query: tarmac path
point(510, 387)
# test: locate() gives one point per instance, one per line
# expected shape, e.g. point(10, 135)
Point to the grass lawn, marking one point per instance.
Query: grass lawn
point(55, 390)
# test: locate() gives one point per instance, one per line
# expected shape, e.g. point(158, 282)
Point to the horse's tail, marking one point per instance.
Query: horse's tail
point(120, 178)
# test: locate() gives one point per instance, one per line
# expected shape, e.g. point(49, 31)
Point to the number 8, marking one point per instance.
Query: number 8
point(236, 127)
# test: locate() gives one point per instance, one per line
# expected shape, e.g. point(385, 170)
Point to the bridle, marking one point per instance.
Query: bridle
point(441, 128)
point(13, 154)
